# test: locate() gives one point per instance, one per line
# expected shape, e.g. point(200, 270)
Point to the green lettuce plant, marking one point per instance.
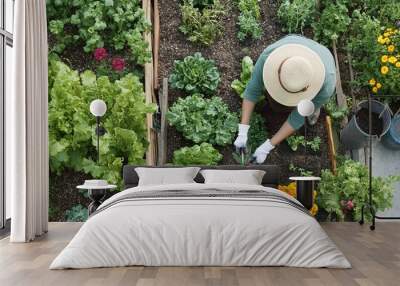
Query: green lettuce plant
point(300, 171)
point(77, 213)
point(249, 20)
point(201, 22)
point(295, 15)
point(195, 74)
point(117, 24)
point(204, 155)
point(72, 138)
point(239, 85)
point(203, 119)
point(347, 191)
point(295, 141)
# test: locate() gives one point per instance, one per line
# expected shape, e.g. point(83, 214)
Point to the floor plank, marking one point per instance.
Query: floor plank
point(375, 257)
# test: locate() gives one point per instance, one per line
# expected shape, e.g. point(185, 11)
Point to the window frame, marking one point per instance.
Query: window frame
point(6, 39)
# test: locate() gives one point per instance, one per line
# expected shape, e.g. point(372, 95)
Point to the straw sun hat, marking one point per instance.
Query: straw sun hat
point(293, 73)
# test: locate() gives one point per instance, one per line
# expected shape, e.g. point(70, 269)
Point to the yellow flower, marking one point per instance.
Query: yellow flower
point(372, 81)
point(374, 89)
point(387, 41)
point(392, 60)
point(391, 48)
point(384, 58)
point(378, 85)
point(387, 34)
point(384, 69)
point(314, 210)
point(381, 40)
point(398, 65)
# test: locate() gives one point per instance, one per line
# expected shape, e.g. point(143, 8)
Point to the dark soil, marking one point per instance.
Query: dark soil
point(228, 52)
point(64, 194)
point(362, 117)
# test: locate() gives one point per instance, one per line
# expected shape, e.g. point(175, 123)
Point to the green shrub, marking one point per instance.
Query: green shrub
point(239, 85)
point(203, 120)
point(389, 12)
point(195, 74)
point(116, 23)
point(249, 20)
point(333, 22)
point(71, 126)
point(77, 213)
point(204, 155)
point(348, 191)
point(295, 15)
point(364, 48)
point(201, 25)
point(257, 132)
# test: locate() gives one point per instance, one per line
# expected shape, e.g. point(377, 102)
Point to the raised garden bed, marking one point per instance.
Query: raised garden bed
point(227, 51)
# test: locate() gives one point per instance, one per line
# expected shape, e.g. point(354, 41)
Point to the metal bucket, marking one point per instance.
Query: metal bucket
point(391, 139)
point(353, 137)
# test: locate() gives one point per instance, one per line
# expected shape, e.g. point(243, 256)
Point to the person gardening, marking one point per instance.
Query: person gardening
point(296, 75)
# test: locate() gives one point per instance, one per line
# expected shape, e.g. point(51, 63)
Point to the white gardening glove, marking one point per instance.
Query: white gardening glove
point(262, 152)
point(241, 140)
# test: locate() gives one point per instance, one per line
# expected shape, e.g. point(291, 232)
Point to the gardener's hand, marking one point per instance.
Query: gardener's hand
point(241, 140)
point(262, 152)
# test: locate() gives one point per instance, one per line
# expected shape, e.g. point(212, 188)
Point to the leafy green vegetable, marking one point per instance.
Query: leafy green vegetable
point(295, 141)
point(203, 154)
point(351, 184)
point(201, 25)
point(295, 15)
point(300, 171)
point(243, 158)
point(239, 85)
point(118, 24)
point(71, 126)
point(335, 112)
point(77, 213)
point(203, 120)
point(249, 20)
point(257, 132)
point(333, 22)
point(195, 74)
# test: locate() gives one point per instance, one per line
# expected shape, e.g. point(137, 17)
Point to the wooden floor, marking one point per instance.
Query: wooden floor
point(375, 257)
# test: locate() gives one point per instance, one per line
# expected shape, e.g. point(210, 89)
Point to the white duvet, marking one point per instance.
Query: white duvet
point(200, 231)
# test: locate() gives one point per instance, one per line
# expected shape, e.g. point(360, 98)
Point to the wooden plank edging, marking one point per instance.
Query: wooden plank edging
point(149, 90)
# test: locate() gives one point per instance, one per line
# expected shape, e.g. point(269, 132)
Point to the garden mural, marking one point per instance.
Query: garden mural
point(207, 50)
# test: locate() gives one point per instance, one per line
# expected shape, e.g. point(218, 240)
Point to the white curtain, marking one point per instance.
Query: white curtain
point(27, 134)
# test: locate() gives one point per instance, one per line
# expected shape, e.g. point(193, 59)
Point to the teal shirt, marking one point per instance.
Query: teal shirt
point(255, 88)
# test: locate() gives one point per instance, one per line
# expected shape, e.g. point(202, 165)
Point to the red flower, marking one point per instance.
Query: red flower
point(118, 64)
point(350, 205)
point(100, 54)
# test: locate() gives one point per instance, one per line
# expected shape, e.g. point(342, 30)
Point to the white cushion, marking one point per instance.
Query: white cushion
point(166, 176)
point(248, 177)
